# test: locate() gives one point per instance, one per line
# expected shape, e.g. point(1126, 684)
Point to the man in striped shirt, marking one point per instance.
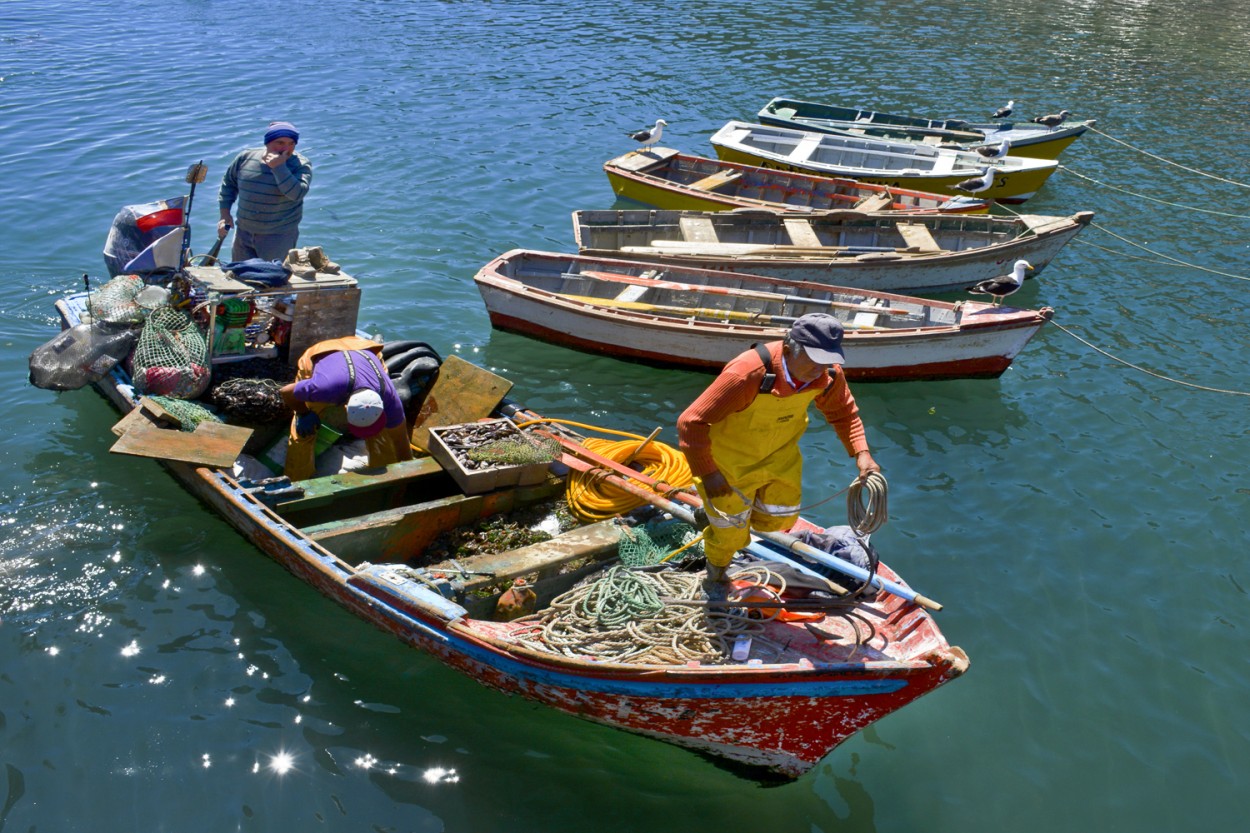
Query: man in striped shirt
point(270, 184)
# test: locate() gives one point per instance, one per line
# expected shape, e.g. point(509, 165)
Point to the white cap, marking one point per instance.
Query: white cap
point(364, 411)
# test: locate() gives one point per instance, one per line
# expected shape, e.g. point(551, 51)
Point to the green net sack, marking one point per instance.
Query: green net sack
point(170, 359)
point(189, 414)
point(116, 302)
point(651, 543)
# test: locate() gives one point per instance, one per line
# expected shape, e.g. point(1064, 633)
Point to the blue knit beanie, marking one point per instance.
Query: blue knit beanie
point(279, 129)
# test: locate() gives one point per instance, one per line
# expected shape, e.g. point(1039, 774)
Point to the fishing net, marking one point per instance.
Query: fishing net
point(170, 359)
point(255, 401)
point(658, 538)
point(117, 301)
point(189, 414)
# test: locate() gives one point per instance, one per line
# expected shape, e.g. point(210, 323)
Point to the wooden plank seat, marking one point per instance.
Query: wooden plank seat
point(875, 202)
point(801, 232)
point(598, 541)
point(634, 292)
point(867, 319)
point(716, 180)
point(395, 534)
point(917, 237)
point(376, 486)
point(698, 229)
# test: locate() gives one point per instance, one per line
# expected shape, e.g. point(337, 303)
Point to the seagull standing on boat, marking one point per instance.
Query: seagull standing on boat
point(649, 136)
point(1053, 120)
point(976, 184)
point(1005, 111)
point(987, 152)
point(1000, 288)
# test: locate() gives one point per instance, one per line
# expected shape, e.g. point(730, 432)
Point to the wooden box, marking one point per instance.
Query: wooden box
point(487, 478)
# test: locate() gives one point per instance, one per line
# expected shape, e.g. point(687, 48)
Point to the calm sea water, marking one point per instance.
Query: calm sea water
point(1082, 522)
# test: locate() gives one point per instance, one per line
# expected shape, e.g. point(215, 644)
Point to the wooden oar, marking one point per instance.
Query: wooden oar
point(616, 277)
point(685, 312)
point(698, 312)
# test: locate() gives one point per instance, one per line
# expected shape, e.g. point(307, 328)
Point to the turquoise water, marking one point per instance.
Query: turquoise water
point(1081, 521)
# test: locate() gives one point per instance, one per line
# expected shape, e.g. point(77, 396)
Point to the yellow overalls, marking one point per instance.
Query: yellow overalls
point(757, 450)
point(301, 461)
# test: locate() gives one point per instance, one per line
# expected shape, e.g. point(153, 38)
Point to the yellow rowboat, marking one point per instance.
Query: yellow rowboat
point(664, 178)
point(897, 164)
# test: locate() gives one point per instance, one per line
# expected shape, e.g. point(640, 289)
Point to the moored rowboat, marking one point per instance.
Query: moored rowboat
point(915, 253)
point(897, 164)
point(1027, 138)
point(673, 316)
point(664, 178)
point(367, 540)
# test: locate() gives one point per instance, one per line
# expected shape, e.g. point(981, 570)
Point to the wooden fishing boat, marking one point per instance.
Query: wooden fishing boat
point(664, 178)
point(367, 540)
point(908, 254)
point(898, 164)
point(672, 316)
point(1027, 138)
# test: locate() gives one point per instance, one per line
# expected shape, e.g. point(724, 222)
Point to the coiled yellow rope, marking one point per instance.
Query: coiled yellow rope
point(592, 499)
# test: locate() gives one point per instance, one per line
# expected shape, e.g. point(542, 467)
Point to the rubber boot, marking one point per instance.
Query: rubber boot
point(716, 583)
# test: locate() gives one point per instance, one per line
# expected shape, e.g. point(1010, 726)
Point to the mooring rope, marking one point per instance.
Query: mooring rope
point(1148, 372)
point(1093, 129)
point(1136, 195)
point(1164, 259)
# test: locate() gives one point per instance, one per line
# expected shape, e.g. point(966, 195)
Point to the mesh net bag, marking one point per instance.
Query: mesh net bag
point(256, 401)
point(189, 414)
point(641, 546)
point(115, 302)
point(170, 359)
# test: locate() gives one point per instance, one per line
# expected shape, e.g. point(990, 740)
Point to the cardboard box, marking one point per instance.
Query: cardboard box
point(477, 481)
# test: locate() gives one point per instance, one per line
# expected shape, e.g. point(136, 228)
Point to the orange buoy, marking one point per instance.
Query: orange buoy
point(517, 601)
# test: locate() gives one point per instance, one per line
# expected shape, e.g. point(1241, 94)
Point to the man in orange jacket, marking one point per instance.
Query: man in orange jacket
point(741, 436)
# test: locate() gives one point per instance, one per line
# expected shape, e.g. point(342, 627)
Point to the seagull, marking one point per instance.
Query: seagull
point(1053, 120)
point(976, 184)
point(999, 152)
point(1004, 112)
point(1000, 288)
point(649, 136)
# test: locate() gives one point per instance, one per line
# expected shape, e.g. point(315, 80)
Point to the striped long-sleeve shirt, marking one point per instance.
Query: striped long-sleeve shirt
point(271, 200)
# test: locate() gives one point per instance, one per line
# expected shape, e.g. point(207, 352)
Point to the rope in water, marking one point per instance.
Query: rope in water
point(1147, 371)
point(1167, 161)
point(1136, 195)
point(1162, 258)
